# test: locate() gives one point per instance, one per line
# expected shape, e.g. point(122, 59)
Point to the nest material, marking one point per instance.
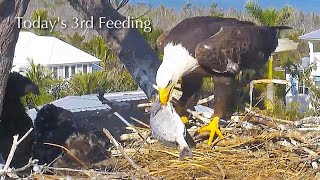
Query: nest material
point(255, 147)
point(230, 162)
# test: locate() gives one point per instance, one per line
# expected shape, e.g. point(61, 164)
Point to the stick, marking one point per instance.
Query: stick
point(309, 129)
point(113, 175)
point(30, 163)
point(140, 122)
point(268, 117)
point(14, 146)
point(128, 124)
point(205, 100)
point(120, 148)
point(198, 116)
point(143, 105)
point(70, 153)
point(308, 120)
point(103, 100)
point(130, 151)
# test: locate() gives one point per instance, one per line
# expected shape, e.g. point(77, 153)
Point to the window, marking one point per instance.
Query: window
point(317, 81)
point(66, 72)
point(79, 68)
point(84, 67)
point(73, 70)
point(55, 72)
point(60, 72)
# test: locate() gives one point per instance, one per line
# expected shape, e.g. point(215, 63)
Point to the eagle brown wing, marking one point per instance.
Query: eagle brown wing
point(235, 48)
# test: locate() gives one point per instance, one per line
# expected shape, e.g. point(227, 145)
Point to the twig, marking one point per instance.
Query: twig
point(308, 120)
point(140, 122)
point(308, 129)
point(130, 151)
point(30, 163)
point(103, 100)
point(120, 175)
point(198, 116)
point(143, 105)
point(128, 124)
point(223, 174)
point(205, 100)
point(120, 148)
point(70, 153)
point(268, 117)
point(14, 146)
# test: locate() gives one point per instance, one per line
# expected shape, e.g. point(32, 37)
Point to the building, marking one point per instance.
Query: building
point(314, 57)
point(299, 92)
point(62, 58)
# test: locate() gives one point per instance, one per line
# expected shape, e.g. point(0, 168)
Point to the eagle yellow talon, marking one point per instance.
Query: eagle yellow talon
point(213, 127)
point(184, 119)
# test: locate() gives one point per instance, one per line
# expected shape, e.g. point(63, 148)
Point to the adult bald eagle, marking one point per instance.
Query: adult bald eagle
point(211, 46)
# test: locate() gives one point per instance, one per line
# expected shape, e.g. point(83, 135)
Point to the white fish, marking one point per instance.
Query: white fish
point(168, 128)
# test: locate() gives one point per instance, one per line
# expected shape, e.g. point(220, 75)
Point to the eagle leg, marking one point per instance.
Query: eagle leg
point(213, 127)
point(190, 85)
point(223, 104)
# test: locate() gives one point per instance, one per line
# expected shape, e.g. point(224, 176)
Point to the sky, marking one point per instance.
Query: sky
point(305, 5)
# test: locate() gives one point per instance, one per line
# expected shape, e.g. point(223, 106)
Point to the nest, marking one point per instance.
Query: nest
point(249, 158)
point(255, 147)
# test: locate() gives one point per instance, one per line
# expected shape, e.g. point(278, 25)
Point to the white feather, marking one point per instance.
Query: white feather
point(177, 62)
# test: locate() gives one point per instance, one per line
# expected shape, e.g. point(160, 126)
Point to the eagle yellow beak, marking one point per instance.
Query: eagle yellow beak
point(165, 94)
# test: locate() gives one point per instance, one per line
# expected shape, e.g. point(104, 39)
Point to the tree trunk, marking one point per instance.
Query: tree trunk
point(133, 50)
point(9, 32)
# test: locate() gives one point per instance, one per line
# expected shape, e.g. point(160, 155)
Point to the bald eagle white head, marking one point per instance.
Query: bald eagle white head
point(177, 62)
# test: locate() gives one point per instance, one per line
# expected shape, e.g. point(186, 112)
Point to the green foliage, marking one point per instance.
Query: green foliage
point(41, 77)
point(76, 40)
point(42, 14)
point(207, 87)
point(151, 37)
point(87, 83)
point(98, 48)
point(314, 90)
point(112, 81)
point(269, 16)
point(214, 10)
point(290, 112)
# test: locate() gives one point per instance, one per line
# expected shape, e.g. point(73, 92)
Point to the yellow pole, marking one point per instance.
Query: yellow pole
point(270, 94)
point(270, 68)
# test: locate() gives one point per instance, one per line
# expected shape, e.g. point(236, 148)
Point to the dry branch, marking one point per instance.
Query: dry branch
point(140, 122)
point(69, 153)
point(205, 100)
point(14, 146)
point(308, 120)
point(120, 148)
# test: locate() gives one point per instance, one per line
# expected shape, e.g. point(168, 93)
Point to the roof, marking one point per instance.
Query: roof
point(48, 50)
point(314, 35)
point(91, 102)
point(286, 45)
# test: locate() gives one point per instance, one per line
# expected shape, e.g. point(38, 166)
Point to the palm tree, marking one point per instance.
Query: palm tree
point(98, 48)
point(41, 76)
point(42, 15)
point(81, 84)
point(269, 16)
point(76, 40)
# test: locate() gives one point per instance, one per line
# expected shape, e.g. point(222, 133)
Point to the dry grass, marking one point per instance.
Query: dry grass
point(220, 163)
